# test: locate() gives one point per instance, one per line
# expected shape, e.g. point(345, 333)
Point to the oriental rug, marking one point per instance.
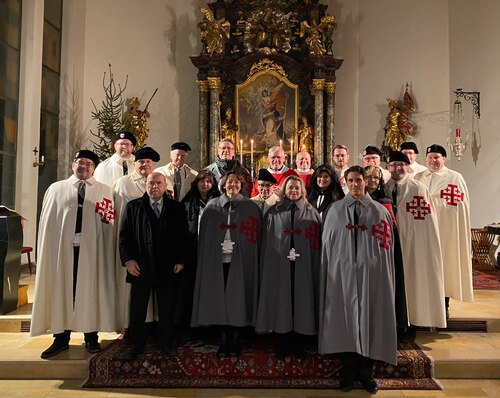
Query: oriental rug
point(196, 366)
point(486, 280)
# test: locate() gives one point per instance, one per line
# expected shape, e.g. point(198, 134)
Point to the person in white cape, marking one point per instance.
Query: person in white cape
point(75, 281)
point(410, 149)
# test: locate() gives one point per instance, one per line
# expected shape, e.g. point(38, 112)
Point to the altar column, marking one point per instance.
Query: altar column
point(317, 90)
point(214, 85)
point(203, 122)
point(330, 121)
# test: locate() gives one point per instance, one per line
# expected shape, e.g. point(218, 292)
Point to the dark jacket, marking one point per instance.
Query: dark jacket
point(157, 244)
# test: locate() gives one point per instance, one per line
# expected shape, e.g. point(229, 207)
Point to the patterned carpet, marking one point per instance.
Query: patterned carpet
point(196, 366)
point(486, 280)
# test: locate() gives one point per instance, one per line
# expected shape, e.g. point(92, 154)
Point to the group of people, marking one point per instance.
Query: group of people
point(354, 255)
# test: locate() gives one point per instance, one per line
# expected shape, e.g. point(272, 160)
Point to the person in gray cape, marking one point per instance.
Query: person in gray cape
point(289, 269)
point(357, 317)
point(226, 283)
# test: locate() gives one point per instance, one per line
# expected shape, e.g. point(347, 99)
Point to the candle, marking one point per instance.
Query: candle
point(43, 158)
point(457, 133)
point(251, 158)
point(241, 151)
point(281, 143)
point(291, 153)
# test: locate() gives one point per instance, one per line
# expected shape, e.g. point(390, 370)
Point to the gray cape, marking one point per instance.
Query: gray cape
point(238, 304)
point(357, 289)
point(275, 298)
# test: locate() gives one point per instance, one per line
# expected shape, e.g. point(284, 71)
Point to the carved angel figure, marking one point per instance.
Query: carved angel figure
point(228, 129)
point(406, 125)
point(314, 38)
point(214, 33)
point(136, 122)
point(398, 125)
point(304, 137)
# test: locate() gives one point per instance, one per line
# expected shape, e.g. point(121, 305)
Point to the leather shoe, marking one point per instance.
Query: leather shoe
point(131, 353)
point(56, 347)
point(346, 383)
point(223, 350)
point(370, 385)
point(282, 350)
point(169, 350)
point(93, 346)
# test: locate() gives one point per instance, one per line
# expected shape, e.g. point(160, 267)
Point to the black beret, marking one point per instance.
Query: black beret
point(265, 175)
point(372, 150)
point(180, 145)
point(126, 135)
point(398, 157)
point(147, 153)
point(409, 145)
point(436, 148)
point(85, 153)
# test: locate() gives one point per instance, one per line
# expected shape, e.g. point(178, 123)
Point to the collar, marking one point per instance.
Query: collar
point(74, 180)
point(299, 203)
point(135, 176)
point(365, 200)
point(160, 202)
point(284, 169)
point(118, 159)
point(235, 201)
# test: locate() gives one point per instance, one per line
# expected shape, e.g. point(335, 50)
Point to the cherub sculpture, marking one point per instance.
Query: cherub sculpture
point(214, 33)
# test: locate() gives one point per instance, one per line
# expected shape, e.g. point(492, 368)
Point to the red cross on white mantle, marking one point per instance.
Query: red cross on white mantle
point(382, 232)
point(418, 207)
point(105, 210)
point(452, 194)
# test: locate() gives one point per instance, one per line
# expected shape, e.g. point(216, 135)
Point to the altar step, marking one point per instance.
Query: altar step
point(456, 355)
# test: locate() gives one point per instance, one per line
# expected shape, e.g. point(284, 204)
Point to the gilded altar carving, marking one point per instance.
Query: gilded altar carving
point(214, 32)
point(267, 65)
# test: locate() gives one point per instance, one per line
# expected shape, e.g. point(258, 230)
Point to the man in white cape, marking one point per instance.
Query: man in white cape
point(75, 280)
point(410, 149)
point(125, 189)
point(420, 245)
point(451, 200)
point(120, 163)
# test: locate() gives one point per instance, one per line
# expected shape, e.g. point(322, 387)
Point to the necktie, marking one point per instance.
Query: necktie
point(177, 184)
point(125, 167)
point(79, 212)
point(156, 209)
point(395, 197)
point(357, 213)
point(263, 206)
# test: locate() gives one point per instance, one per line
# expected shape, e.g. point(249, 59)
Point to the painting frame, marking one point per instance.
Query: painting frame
point(266, 107)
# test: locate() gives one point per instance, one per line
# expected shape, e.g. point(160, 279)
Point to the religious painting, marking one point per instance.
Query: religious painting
point(266, 110)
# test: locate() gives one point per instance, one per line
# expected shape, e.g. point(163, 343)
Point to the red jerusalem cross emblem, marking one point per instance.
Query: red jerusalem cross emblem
point(452, 194)
point(250, 228)
point(418, 207)
point(105, 210)
point(382, 232)
point(312, 233)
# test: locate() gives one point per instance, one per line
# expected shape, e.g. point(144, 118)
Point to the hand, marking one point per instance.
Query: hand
point(178, 268)
point(133, 268)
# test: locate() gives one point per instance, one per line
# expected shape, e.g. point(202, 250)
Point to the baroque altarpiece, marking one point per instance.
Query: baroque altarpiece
point(266, 76)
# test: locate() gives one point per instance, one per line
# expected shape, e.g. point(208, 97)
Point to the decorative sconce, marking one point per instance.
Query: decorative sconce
point(38, 162)
point(458, 138)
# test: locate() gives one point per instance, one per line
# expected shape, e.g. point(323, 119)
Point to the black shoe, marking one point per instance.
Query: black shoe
point(234, 349)
point(370, 385)
point(409, 335)
point(282, 350)
point(223, 351)
point(299, 351)
point(346, 383)
point(131, 353)
point(169, 350)
point(56, 347)
point(93, 346)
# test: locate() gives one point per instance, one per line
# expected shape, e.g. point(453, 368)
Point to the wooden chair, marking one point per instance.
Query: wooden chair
point(27, 250)
point(482, 242)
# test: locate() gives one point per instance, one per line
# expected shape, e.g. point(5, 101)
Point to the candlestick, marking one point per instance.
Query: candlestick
point(251, 158)
point(291, 153)
point(241, 151)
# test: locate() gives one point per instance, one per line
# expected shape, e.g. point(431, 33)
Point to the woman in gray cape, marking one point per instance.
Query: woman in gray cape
point(289, 269)
point(226, 284)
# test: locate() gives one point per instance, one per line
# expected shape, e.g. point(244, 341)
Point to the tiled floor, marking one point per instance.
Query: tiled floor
point(478, 348)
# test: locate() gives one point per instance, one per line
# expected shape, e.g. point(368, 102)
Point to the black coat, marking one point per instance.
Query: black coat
point(157, 244)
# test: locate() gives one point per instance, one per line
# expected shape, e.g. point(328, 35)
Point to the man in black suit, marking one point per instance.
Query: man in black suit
point(152, 240)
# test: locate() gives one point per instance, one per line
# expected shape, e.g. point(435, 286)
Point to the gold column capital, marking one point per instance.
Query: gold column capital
point(202, 85)
point(318, 84)
point(330, 87)
point(214, 83)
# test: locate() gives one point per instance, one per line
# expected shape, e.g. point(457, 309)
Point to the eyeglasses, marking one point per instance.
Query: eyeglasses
point(84, 163)
point(226, 148)
point(395, 165)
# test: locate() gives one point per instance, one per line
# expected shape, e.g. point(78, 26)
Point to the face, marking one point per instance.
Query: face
point(277, 159)
point(293, 190)
point(340, 158)
point(356, 184)
point(265, 189)
point(435, 161)
point(226, 150)
point(123, 147)
point(204, 185)
point(83, 168)
point(178, 157)
point(232, 186)
point(324, 180)
point(144, 167)
point(397, 169)
point(156, 185)
point(373, 180)
point(372, 160)
point(303, 161)
point(411, 155)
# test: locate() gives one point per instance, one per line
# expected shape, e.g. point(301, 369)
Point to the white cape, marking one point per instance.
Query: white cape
point(94, 308)
point(109, 170)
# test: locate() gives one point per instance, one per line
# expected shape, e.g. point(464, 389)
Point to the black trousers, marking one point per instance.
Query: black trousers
point(357, 366)
point(139, 298)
